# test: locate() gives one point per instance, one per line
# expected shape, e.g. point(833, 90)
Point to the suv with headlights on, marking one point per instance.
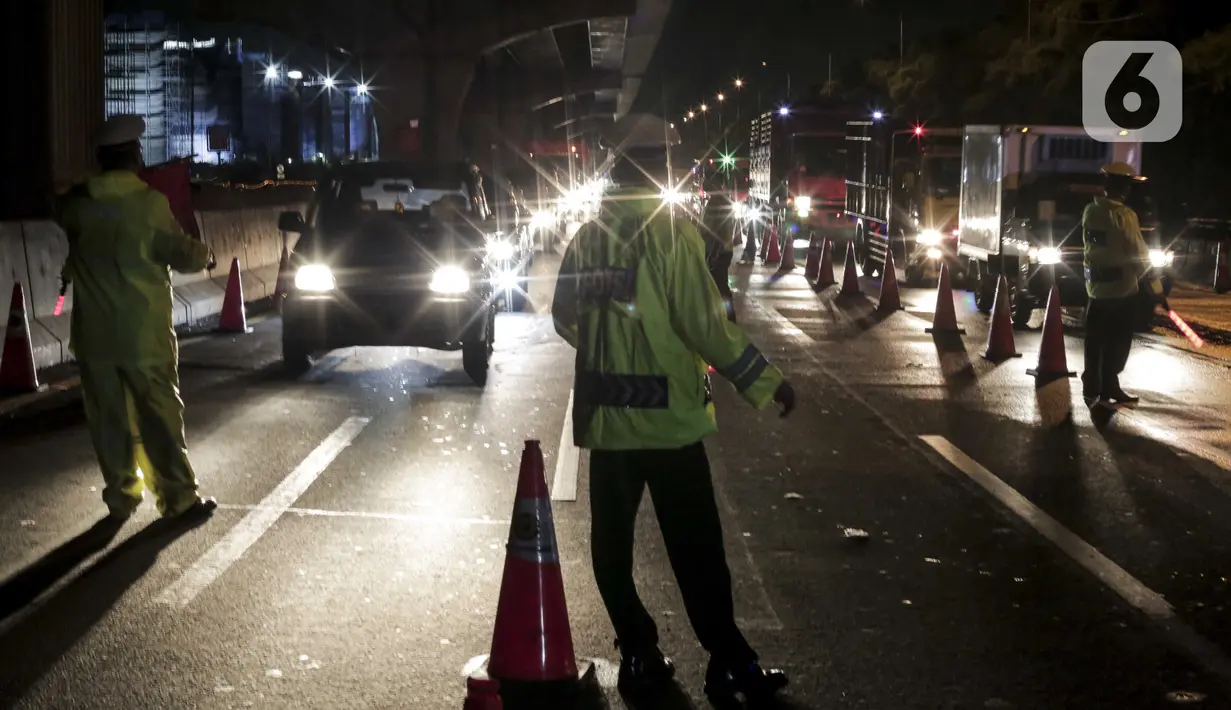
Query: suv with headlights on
point(397, 254)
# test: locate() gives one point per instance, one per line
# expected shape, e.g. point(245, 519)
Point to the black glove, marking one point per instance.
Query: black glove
point(784, 397)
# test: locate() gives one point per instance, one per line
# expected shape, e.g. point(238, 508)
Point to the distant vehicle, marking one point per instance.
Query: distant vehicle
point(398, 254)
point(902, 187)
point(797, 166)
point(1022, 197)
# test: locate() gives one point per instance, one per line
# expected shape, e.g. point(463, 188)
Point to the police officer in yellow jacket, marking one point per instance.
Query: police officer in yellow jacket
point(123, 243)
point(635, 298)
point(718, 222)
point(1116, 259)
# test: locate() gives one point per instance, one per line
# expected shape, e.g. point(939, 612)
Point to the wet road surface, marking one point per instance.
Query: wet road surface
point(928, 530)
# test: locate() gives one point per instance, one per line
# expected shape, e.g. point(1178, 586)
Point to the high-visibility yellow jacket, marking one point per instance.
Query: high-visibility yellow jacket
point(123, 243)
point(636, 299)
point(718, 223)
point(1116, 255)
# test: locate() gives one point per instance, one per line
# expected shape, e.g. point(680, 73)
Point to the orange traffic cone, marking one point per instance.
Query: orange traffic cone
point(233, 318)
point(532, 645)
point(1052, 361)
point(482, 693)
point(890, 300)
point(774, 256)
point(788, 253)
point(945, 319)
point(280, 284)
point(1000, 338)
point(824, 276)
point(850, 277)
point(17, 371)
point(1222, 269)
point(812, 265)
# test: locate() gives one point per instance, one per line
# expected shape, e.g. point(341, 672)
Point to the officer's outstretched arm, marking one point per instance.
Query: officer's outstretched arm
point(564, 302)
point(699, 317)
point(171, 246)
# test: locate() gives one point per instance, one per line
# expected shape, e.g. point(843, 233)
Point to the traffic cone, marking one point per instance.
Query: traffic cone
point(280, 284)
point(482, 693)
point(1000, 338)
point(774, 256)
point(850, 277)
point(812, 266)
point(824, 276)
point(890, 299)
point(1052, 361)
point(1222, 269)
point(945, 319)
point(532, 645)
point(17, 372)
point(233, 318)
point(788, 253)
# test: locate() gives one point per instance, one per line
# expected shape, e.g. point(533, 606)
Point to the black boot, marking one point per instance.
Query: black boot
point(1120, 397)
point(643, 669)
point(724, 680)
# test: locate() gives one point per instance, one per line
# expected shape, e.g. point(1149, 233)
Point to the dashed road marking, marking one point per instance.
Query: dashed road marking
point(230, 548)
point(399, 517)
point(568, 460)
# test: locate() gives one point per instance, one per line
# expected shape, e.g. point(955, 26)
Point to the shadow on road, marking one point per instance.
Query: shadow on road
point(25, 586)
point(38, 641)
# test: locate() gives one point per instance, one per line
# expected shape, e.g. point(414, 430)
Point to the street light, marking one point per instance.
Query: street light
point(704, 108)
point(722, 97)
point(362, 88)
point(271, 72)
point(739, 83)
point(329, 82)
point(691, 114)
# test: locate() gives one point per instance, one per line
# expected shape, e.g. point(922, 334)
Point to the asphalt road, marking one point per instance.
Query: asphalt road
point(929, 530)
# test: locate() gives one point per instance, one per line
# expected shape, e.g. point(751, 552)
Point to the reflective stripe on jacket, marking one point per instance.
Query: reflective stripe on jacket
point(1116, 255)
point(636, 299)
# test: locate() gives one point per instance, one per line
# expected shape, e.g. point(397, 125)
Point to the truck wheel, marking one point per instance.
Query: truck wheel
point(985, 289)
point(476, 356)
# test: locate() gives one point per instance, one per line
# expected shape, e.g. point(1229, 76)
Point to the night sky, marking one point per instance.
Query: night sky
point(707, 43)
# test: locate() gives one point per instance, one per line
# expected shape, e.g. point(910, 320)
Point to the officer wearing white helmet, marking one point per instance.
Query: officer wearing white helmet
point(1116, 259)
point(123, 243)
point(636, 299)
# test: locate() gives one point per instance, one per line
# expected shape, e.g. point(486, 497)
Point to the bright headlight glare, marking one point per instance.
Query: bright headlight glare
point(1160, 258)
point(1048, 255)
point(672, 197)
point(450, 279)
point(500, 249)
point(314, 277)
point(929, 238)
point(803, 204)
point(934, 253)
point(541, 220)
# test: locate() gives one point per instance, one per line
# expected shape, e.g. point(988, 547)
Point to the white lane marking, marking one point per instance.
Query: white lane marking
point(772, 622)
point(1115, 577)
point(568, 459)
point(230, 548)
point(401, 517)
point(1178, 633)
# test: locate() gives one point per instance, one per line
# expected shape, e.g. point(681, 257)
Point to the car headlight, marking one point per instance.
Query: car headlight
point(541, 220)
point(1047, 255)
point(314, 277)
point(803, 205)
point(1160, 258)
point(672, 197)
point(450, 279)
point(934, 253)
point(500, 249)
point(928, 238)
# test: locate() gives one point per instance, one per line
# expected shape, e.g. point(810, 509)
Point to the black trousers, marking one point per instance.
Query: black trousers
point(720, 270)
point(683, 495)
point(1109, 337)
